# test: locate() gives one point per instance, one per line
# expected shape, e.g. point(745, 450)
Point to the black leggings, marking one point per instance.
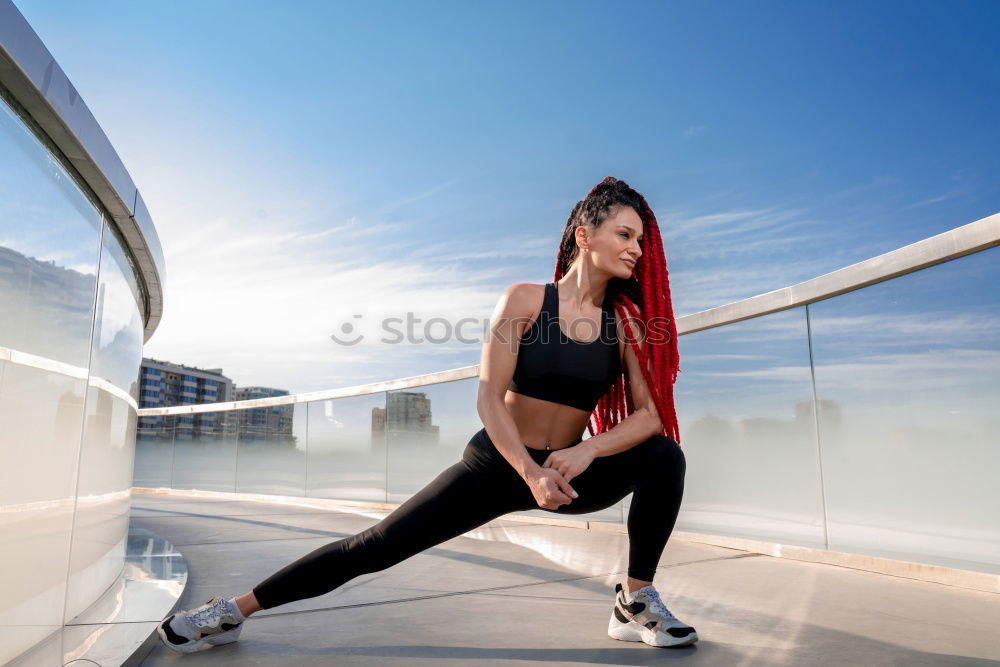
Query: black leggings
point(480, 488)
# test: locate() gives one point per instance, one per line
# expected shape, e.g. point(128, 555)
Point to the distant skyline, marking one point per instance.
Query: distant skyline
point(308, 162)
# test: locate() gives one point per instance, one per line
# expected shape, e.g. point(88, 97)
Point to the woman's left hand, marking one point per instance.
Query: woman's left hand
point(571, 461)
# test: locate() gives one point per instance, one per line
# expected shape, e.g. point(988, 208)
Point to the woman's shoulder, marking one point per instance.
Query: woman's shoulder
point(529, 287)
point(524, 293)
point(522, 299)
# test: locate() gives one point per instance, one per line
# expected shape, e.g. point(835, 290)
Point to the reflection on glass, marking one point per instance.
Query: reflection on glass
point(346, 454)
point(204, 451)
point(118, 325)
point(272, 450)
point(747, 422)
point(106, 457)
point(909, 371)
point(49, 248)
point(426, 430)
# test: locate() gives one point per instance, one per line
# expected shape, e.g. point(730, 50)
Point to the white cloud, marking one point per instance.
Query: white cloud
point(261, 296)
point(930, 328)
point(261, 299)
point(264, 262)
point(934, 200)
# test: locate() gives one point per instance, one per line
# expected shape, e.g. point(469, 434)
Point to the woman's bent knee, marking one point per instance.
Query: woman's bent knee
point(663, 453)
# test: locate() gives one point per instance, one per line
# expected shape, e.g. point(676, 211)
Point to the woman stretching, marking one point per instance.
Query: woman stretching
point(539, 387)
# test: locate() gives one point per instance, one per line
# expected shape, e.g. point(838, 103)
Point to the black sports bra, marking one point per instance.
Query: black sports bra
point(554, 367)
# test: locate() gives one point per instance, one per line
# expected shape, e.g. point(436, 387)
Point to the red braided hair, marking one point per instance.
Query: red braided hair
point(644, 296)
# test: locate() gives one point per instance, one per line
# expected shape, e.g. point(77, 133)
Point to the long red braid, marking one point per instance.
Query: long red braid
point(644, 296)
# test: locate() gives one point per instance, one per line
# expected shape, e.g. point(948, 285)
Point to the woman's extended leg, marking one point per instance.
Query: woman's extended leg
point(464, 496)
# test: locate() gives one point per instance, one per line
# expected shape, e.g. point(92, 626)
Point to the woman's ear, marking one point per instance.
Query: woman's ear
point(582, 237)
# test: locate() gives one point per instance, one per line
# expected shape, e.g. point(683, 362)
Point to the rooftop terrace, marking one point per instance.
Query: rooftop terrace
point(514, 592)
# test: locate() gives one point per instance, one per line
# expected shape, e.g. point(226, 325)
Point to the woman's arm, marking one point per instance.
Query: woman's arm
point(510, 319)
point(644, 422)
point(496, 368)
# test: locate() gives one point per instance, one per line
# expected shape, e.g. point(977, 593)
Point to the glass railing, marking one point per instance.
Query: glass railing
point(855, 412)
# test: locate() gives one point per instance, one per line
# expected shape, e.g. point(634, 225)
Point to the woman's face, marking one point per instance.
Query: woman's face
point(614, 247)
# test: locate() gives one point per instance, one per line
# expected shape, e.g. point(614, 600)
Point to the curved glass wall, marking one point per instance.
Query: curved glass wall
point(70, 350)
point(104, 470)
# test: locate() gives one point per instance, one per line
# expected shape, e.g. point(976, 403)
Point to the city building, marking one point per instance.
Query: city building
point(406, 418)
point(163, 384)
point(270, 424)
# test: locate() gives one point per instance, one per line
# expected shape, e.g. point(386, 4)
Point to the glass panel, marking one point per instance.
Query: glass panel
point(104, 499)
point(204, 451)
point(272, 450)
point(118, 326)
point(907, 371)
point(106, 458)
point(346, 455)
point(154, 452)
point(745, 406)
point(41, 413)
point(49, 247)
point(426, 429)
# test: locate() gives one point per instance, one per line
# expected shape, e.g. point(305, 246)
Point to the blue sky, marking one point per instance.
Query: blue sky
point(307, 162)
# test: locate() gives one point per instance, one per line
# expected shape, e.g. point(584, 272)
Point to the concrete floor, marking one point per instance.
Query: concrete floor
point(512, 593)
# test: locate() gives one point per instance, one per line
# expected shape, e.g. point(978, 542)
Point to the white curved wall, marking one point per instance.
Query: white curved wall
point(70, 348)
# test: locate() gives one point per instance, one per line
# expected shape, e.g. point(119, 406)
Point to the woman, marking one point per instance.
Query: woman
point(539, 386)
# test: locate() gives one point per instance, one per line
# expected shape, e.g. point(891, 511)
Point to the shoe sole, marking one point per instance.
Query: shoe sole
point(634, 632)
point(203, 644)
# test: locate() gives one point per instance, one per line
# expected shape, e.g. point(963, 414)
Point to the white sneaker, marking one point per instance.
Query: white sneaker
point(218, 621)
point(642, 617)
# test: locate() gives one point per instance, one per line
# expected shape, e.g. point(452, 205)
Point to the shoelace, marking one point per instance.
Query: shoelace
point(657, 604)
point(204, 617)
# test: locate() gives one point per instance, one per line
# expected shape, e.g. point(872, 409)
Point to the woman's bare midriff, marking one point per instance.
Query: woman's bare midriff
point(540, 422)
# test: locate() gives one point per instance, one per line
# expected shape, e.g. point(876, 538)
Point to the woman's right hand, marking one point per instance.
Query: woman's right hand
point(550, 488)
